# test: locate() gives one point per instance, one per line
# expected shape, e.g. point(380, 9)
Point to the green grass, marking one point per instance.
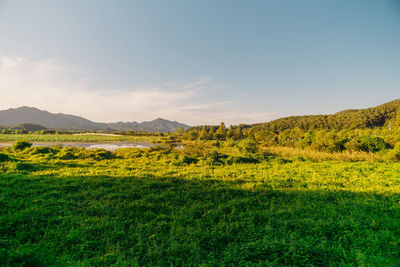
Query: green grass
point(149, 207)
point(75, 138)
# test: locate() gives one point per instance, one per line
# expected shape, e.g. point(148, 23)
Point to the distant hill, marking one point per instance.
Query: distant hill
point(60, 121)
point(347, 119)
point(161, 125)
point(29, 127)
point(157, 125)
point(11, 117)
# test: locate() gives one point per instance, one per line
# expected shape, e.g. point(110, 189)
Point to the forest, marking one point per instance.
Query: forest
point(368, 130)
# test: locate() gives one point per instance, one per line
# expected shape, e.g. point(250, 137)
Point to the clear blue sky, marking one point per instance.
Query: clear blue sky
point(199, 61)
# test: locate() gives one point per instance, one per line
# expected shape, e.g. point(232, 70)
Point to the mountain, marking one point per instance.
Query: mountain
point(347, 119)
point(123, 126)
point(157, 125)
point(60, 121)
point(161, 125)
point(29, 127)
point(11, 117)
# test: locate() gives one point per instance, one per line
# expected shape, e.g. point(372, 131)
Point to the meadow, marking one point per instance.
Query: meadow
point(216, 205)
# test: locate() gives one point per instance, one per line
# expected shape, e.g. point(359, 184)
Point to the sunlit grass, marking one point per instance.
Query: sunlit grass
point(151, 207)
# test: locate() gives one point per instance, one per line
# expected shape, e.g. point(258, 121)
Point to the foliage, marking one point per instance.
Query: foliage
point(348, 119)
point(4, 157)
point(369, 130)
point(248, 146)
point(67, 154)
point(21, 145)
point(395, 153)
point(214, 158)
point(220, 134)
point(367, 144)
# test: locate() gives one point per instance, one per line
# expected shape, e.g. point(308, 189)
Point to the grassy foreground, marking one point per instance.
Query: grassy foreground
point(71, 207)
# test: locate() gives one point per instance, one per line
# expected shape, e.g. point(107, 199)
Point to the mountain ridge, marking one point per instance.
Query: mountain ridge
point(60, 121)
point(371, 117)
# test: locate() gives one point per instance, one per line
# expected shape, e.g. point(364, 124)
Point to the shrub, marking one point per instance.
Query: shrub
point(248, 146)
point(329, 142)
point(283, 160)
point(22, 166)
point(67, 155)
point(194, 150)
point(21, 145)
point(353, 145)
point(4, 157)
point(239, 160)
point(97, 154)
point(214, 158)
point(395, 153)
point(165, 148)
point(129, 153)
point(230, 143)
point(40, 150)
point(367, 144)
point(215, 143)
point(373, 144)
point(183, 159)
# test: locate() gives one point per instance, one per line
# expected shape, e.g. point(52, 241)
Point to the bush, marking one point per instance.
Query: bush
point(67, 155)
point(215, 143)
point(183, 159)
point(21, 145)
point(367, 144)
point(240, 160)
point(353, 145)
point(97, 154)
point(4, 157)
point(22, 166)
point(248, 146)
point(214, 158)
point(395, 153)
point(129, 153)
point(230, 143)
point(373, 144)
point(40, 150)
point(194, 150)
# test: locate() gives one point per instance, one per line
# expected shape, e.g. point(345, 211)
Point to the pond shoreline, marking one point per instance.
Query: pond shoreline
point(110, 145)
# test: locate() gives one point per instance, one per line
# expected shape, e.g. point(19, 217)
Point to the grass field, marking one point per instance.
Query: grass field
point(164, 207)
point(75, 138)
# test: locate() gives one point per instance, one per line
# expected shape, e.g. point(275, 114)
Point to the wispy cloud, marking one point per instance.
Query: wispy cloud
point(50, 85)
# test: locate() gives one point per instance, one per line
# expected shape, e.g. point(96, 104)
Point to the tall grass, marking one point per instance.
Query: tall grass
point(320, 155)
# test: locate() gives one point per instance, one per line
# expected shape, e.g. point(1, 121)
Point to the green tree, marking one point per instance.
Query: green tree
point(211, 132)
point(220, 134)
point(230, 133)
point(238, 133)
point(250, 133)
point(204, 133)
point(180, 130)
point(397, 119)
point(193, 135)
point(248, 146)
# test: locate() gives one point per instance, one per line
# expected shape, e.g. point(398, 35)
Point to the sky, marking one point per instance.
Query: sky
point(198, 62)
